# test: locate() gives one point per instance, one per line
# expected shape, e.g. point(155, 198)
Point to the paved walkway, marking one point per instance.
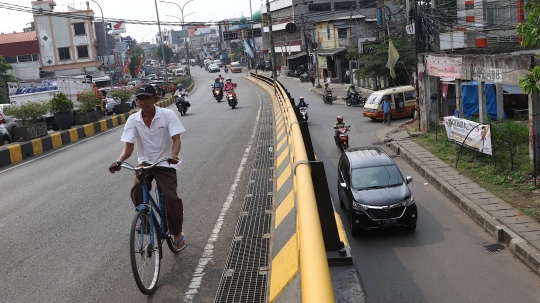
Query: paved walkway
point(505, 223)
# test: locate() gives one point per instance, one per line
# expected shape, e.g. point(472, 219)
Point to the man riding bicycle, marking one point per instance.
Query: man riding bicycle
point(157, 134)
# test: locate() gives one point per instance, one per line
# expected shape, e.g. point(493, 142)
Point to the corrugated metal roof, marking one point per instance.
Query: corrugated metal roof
point(17, 37)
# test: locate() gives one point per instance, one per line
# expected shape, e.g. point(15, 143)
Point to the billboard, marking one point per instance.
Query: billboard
point(478, 135)
point(118, 27)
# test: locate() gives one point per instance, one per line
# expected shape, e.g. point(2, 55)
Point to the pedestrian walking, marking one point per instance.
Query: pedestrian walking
point(312, 77)
point(386, 110)
point(347, 76)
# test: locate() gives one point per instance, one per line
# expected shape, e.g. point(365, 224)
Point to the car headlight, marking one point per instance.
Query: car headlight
point(408, 202)
point(358, 206)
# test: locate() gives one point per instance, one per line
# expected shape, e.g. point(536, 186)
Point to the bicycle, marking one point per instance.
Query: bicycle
point(148, 229)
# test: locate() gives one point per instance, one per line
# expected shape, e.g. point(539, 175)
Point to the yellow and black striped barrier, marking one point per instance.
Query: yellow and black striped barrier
point(299, 259)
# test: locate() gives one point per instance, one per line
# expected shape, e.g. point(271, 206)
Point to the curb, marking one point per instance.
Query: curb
point(17, 152)
point(518, 246)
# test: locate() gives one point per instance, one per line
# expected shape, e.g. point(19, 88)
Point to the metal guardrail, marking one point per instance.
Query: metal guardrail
point(315, 278)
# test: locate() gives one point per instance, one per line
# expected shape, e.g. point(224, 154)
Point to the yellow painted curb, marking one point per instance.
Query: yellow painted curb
point(284, 268)
point(15, 153)
point(284, 208)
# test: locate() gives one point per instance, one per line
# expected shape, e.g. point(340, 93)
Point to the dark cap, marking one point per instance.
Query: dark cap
point(145, 90)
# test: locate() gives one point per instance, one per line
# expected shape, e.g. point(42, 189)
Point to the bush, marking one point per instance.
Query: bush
point(88, 100)
point(184, 81)
point(60, 103)
point(124, 93)
point(29, 112)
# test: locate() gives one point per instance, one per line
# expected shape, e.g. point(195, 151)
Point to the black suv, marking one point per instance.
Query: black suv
point(373, 191)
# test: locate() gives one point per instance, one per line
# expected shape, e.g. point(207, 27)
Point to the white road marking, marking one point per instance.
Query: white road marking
point(208, 251)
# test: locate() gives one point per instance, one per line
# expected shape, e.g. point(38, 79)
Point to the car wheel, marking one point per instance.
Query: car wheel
point(372, 118)
point(355, 230)
point(341, 204)
point(5, 140)
point(411, 228)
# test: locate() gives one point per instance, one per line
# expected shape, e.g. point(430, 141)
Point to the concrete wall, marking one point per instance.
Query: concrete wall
point(26, 70)
point(500, 68)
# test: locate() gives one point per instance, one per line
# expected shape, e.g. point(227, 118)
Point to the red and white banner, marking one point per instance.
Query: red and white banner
point(141, 59)
point(118, 27)
point(124, 69)
point(449, 67)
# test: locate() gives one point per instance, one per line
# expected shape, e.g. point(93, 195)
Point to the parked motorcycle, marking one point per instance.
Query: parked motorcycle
point(303, 112)
point(342, 138)
point(182, 104)
point(355, 99)
point(231, 99)
point(218, 93)
point(327, 98)
point(304, 77)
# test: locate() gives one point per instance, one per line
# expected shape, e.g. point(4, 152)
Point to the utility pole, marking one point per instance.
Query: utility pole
point(316, 59)
point(272, 50)
point(306, 39)
point(166, 78)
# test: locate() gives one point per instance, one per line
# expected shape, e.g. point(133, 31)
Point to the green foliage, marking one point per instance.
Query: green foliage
point(353, 54)
point(4, 66)
point(88, 100)
point(168, 53)
point(148, 62)
point(374, 64)
point(530, 33)
point(184, 81)
point(124, 93)
point(29, 112)
point(60, 103)
point(135, 58)
point(4, 78)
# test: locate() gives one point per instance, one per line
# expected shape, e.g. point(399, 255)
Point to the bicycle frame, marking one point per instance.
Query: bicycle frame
point(150, 204)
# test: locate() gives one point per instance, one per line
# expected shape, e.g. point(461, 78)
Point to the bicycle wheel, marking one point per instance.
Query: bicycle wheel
point(144, 251)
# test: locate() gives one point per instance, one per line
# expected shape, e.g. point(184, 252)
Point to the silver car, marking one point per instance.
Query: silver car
point(5, 138)
point(109, 106)
point(7, 121)
point(214, 68)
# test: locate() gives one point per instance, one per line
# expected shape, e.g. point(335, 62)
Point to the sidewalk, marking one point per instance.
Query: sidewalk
point(339, 90)
point(505, 223)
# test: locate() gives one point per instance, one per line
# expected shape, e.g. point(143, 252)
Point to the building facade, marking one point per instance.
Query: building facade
point(21, 50)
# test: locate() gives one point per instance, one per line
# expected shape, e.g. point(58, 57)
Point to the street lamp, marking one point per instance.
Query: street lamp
point(180, 7)
point(106, 47)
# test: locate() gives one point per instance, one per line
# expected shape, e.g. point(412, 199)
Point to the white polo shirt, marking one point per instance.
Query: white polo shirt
point(154, 142)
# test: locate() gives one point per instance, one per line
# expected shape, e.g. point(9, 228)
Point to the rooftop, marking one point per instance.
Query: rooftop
point(17, 37)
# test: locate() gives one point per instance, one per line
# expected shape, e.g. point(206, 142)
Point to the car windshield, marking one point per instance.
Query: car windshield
point(235, 64)
point(375, 177)
point(374, 99)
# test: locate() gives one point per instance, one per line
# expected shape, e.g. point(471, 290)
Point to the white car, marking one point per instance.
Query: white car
point(214, 68)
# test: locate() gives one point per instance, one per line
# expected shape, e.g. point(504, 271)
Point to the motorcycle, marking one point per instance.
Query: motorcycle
point(231, 99)
point(342, 138)
point(355, 99)
point(303, 112)
point(304, 77)
point(218, 93)
point(182, 104)
point(327, 97)
point(226, 70)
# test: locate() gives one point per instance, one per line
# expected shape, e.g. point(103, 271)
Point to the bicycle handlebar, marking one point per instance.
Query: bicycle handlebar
point(138, 169)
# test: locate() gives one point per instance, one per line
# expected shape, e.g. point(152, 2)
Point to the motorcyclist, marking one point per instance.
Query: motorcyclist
point(230, 86)
point(351, 90)
point(220, 78)
point(181, 91)
point(217, 83)
point(302, 103)
point(339, 124)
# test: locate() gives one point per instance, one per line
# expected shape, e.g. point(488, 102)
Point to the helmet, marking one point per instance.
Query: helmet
point(352, 85)
point(216, 80)
point(229, 79)
point(301, 99)
point(180, 87)
point(340, 119)
point(219, 75)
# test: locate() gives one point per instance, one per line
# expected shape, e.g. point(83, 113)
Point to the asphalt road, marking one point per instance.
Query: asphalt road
point(443, 260)
point(66, 219)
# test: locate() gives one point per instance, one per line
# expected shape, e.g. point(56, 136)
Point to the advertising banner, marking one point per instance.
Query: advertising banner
point(118, 27)
point(449, 67)
point(141, 59)
point(478, 139)
point(248, 49)
point(124, 69)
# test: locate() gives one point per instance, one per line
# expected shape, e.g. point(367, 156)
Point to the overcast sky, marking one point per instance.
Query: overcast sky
point(203, 11)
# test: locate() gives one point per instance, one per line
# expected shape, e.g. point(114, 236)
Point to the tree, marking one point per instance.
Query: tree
point(374, 63)
point(4, 78)
point(530, 38)
point(168, 53)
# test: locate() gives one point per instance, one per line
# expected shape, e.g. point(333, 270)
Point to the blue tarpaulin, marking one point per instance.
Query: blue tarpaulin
point(469, 94)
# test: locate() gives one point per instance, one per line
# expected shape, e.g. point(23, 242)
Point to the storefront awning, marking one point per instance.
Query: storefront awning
point(331, 51)
point(295, 56)
point(512, 89)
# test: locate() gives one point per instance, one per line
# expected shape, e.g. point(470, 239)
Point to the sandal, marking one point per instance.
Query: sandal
point(177, 243)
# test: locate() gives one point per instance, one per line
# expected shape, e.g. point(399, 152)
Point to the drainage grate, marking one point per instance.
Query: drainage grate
point(244, 278)
point(494, 248)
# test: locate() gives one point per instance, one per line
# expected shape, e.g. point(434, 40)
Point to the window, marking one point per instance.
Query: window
point(368, 4)
point(11, 59)
point(410, 95)
point(375, 176)
point(25, 58)
point(320, 7)
point(344, 6)
point(63, 53)
point(82, 51)
point(35, 57)
point(79, 28)
point(499, 14)
point(342, 33)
